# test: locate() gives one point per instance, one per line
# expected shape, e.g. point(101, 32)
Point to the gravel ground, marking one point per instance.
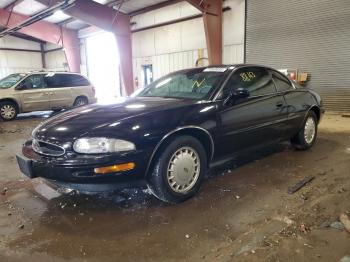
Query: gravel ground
point(242, 213)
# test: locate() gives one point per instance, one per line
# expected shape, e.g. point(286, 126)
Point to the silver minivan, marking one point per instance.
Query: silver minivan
point(39, 91)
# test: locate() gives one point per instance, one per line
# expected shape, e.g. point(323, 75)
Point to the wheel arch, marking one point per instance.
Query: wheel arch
point(80, 96)
point(197, 132)
point(317, 111)
point(12, 101)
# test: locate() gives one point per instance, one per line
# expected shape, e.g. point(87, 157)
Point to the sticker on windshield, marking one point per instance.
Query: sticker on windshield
point(215, 69)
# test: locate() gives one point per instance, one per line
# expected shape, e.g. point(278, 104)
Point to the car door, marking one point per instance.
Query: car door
point(59, 86)
point(34, 94)
point(252, 120)
point(296, 101)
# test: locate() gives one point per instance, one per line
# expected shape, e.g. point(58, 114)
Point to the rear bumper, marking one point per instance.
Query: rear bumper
point(80, 175)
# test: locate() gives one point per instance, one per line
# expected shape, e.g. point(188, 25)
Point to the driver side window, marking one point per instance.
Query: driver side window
point(34, 82)
point(256, 81)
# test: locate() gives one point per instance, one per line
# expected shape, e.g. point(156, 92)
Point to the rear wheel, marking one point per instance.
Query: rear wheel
point(307, 135)
point(179, 170)
point(8, 111)
point(80, 101)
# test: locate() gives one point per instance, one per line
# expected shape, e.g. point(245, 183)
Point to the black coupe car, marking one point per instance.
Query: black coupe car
point(168, 134)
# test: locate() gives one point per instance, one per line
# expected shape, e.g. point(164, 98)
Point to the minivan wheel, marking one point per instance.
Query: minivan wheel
point(8, 111)
point(80, 101)
point(306, 137)
point(179, 170)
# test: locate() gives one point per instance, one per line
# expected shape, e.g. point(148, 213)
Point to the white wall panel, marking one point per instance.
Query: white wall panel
point(172, 12)
point(233, 22)
point(15, 61)
point(14, 42)
point(233, 54)
point(56, 60)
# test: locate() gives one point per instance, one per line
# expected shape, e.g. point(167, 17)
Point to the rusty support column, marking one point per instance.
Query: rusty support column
point(42, 52)
point(212, 18)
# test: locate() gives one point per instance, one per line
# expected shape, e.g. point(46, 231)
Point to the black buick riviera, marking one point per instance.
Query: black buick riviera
point(167, 135)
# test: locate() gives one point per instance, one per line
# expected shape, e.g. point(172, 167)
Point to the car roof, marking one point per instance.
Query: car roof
point(228, 66)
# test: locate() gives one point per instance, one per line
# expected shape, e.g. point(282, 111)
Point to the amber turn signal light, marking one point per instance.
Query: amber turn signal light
point(115, 168)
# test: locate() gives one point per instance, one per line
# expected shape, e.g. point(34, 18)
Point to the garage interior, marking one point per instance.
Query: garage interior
point(243, 212)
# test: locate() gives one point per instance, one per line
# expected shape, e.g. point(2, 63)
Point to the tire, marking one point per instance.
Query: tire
point(8, 111)
point(80, 101)
point(164, 183)
point(306, 137)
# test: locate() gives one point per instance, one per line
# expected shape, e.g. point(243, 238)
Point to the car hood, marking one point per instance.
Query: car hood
point(89, 120)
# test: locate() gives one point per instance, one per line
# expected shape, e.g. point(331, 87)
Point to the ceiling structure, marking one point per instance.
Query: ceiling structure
point(32, 7)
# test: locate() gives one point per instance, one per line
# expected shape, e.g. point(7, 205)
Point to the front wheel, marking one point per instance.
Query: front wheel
point(307, 135)
point(179, 170)
point(8, 111)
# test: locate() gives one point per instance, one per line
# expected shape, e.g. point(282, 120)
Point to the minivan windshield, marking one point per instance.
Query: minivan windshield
point(11, 80)
point(192, 84)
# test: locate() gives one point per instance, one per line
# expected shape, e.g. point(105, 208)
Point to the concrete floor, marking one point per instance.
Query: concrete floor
point(241, 214)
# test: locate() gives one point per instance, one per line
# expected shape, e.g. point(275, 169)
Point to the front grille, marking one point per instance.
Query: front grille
point(47, 149)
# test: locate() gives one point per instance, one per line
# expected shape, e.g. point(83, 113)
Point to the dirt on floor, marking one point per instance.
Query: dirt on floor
point(242, 213)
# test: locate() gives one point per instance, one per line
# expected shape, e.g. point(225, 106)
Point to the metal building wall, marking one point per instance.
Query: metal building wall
point(178, 46)
point(15, 61)
point(313, 36)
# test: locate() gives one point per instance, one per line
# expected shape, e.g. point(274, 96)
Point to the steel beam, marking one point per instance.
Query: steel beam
point(110, 20)
point(47, 32)
point(212, 18)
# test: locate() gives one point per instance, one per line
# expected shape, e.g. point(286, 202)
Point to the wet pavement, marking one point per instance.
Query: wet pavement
point(242, 213)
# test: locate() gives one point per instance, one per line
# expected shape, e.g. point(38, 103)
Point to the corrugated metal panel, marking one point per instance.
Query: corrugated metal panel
point(312, 36)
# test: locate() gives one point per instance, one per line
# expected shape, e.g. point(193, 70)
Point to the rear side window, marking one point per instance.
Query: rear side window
point(65, 80)
point(256, 80)
point(282, 83)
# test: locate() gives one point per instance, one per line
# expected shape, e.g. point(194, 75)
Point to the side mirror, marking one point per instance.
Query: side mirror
point(240, 93)
point(236, 94)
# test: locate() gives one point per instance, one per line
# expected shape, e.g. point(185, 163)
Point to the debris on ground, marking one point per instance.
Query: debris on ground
point(337, 225)
point(4, 191)
point(344, 219)
point(21, 226)
point(300, 184)
point(303, 228)
point(187, 236)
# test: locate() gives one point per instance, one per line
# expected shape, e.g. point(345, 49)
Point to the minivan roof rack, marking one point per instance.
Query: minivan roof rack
point(46, 70)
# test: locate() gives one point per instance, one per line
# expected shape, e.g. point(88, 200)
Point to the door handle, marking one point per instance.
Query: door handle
point(279, 104)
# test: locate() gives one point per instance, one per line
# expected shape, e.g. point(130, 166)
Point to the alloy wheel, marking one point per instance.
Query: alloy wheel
point(7, 111)
point(310, 130)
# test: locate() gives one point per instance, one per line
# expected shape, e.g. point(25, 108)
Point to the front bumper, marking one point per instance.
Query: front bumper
point(77, 171)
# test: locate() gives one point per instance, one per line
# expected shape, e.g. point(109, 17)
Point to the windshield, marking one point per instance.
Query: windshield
point(11, 80)
point(192, 84)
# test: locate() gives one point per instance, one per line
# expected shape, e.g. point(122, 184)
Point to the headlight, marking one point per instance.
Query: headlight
point(97, 145)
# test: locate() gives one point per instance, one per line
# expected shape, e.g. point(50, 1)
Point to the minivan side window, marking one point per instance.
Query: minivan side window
point(256, 80)
point(281, 82)
point(34, 82)
point(65, 80)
